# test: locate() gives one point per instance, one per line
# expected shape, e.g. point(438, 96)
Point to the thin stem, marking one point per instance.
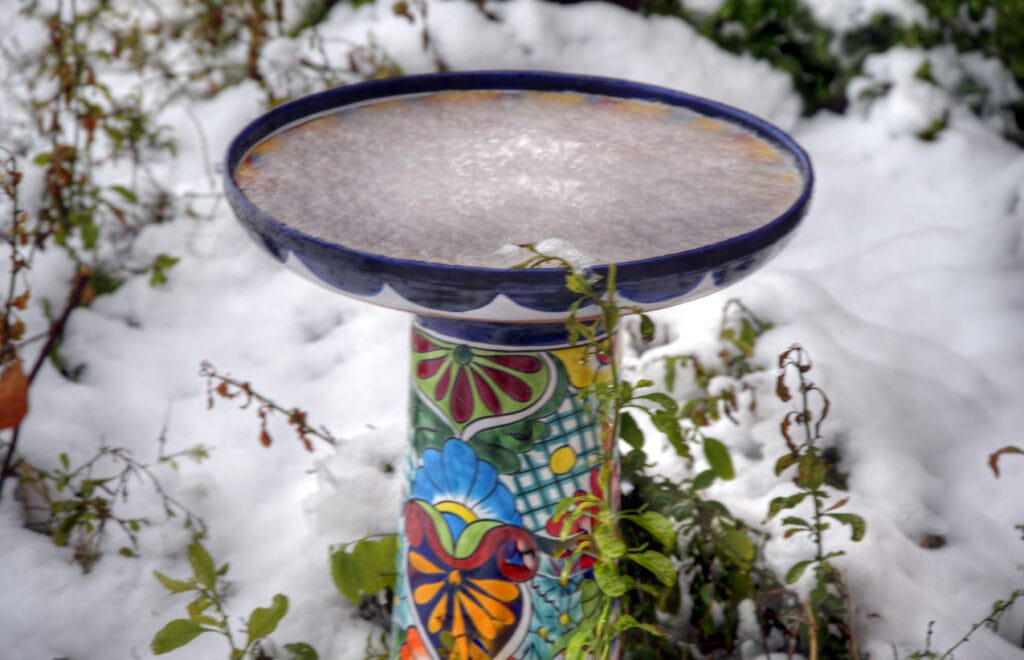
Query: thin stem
point(56, 331)
point(990, 619)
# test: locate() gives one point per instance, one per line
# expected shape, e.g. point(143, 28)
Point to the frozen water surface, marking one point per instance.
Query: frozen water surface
point(452, 177)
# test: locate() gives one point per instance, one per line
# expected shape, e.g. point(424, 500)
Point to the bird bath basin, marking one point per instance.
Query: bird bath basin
point(413, 193)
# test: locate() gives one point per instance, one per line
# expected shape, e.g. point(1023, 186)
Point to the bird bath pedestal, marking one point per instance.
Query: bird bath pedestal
point(412, 193)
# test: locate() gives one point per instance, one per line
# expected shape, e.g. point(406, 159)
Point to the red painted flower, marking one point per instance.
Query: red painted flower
point(469, 383)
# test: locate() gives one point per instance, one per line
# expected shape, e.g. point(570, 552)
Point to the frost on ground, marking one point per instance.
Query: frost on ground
point(904, 284)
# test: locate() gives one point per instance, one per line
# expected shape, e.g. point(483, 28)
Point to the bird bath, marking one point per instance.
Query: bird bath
point(412, 193)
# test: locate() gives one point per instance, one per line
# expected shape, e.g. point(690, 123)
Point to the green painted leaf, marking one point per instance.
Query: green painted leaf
point(174, 635)
point(657, 563)
point(172, 585)
point(796, 570)
point(630, 432)
point(202, 564)
point(857, 525)
point(718, 458)
point(263, 620)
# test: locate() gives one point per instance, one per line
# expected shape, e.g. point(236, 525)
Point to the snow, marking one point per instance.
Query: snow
point(904, 284)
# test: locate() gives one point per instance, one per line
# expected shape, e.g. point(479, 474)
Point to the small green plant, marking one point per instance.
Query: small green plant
point(826, 629)
point(78, 505)
point(206, 613)
point(365, 572)
point(619, 567)
point(719, 558)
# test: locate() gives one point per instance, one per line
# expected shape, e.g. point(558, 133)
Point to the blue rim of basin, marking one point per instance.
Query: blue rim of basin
point(469, 292)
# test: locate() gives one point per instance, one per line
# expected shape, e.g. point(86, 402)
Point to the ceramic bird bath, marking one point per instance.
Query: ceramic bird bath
point(413, 193)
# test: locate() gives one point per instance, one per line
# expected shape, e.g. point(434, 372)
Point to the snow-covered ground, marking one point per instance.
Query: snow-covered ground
point(905, 283)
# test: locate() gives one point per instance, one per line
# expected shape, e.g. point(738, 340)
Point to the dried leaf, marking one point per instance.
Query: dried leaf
point(20, 302)
point(993, 460)
point(13, 395)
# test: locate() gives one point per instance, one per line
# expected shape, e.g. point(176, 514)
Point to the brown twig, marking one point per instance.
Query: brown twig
point(53, 336)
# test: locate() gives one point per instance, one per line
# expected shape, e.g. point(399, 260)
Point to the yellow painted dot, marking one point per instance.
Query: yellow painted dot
point(543, 633)
point(562, 460)
point(564, 619)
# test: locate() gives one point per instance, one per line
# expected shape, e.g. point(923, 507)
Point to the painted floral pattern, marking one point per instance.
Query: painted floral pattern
point(495, 438)
point(467, 553)
point(468, 383)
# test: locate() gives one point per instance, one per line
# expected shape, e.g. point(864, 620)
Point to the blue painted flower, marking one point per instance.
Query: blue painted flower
point(462, 488)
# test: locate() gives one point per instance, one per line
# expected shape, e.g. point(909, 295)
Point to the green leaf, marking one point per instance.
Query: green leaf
point(629, 622)
point(174, 635)
point(797, 522)
point(668, 424)
point(263, 620)
point(610, 581)
point(579, 645)
point(811, 471)
point(704, 479)
point(202, 564)
point(738, 545)
point(42, 159)
point(172, 585)
point(667, 403)
point(377, 559)
point(796, 570)
point(90, 233)
point(780, 503)
point(198, 606)
point(785, 462)
point(718, 458)
point(365, 567)
point(630, 432)
point(658, 526)
point(646, 328)
point(127, 193)
point(657, 563)
point(301, 651)
point(609, 543)
point(346, 576)
point(857, 525)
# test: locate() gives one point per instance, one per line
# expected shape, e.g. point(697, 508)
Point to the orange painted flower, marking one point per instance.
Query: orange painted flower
point(414, 648)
